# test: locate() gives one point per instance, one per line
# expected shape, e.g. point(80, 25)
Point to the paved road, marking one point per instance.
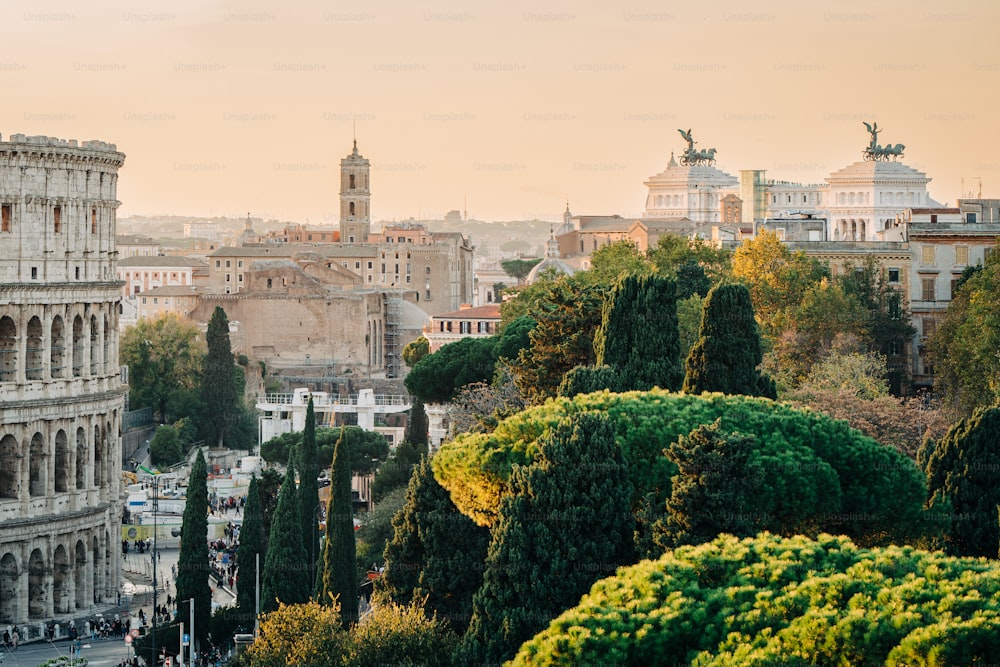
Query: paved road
point(100, 653)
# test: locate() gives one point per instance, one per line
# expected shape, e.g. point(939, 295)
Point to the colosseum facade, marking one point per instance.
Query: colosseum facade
point(61, 396)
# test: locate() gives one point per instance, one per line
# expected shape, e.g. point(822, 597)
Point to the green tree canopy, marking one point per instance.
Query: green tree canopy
point(338, 578)
point(221, 383)
point(638, 336)
point(164, 356)
point(820, 475)
point(309, 505)
point(568, 312)
point(251, 546)
point(192, 563)
point(962, 473)
point(964, 346)
point(437, 377)
point(519, 268)
point(362, 447)
point(514, 337)
point(727, 355)
point(774, 601)
point(715, 488)
point(416, 350)
point(435, 553)
point(165, 448)
point(611, 262)
point(777, 278)
point(565, 525)
point(285, 579)
point(672, 254)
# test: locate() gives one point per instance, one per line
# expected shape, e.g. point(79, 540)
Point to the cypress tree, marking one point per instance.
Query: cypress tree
point(309, 491)
point(638, 336)
point(338, 577)
point(962, 472)
point(251, 543)
point(285, 576)
point(435, 552)
point(727, 354)
point(567, 524)
point(416, 432)
point(715, 488)
point(220, 386)
point(192, 564)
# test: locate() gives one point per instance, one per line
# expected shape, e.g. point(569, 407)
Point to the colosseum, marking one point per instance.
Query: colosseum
point(61, 395)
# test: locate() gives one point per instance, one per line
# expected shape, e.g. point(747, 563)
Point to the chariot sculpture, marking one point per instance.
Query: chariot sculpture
point(691, 156)
point(876, 153)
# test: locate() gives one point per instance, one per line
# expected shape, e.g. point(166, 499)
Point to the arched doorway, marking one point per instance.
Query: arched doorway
point(80, 575)
point(10, 467)
point(98, 457)
point(34, 366)
point(81, 459)
point(57, 348)
point(95, 346)
point(37, 586)
point(77, 346)
point(8, 350)
point(61, 592)
point(36, 466)
point(62, 468)
point(8, 589)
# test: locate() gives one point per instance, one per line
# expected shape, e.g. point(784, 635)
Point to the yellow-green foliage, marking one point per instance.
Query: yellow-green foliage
point(308, 635)
point(773, 601)
point(820, 473)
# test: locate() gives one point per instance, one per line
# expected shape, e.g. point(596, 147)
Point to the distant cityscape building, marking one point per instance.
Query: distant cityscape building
point(466, 322)
point(61, 398)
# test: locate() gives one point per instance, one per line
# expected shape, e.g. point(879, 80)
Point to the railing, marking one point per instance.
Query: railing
point(333, 400)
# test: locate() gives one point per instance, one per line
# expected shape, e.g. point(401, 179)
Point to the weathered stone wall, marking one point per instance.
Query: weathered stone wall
point(60, 392)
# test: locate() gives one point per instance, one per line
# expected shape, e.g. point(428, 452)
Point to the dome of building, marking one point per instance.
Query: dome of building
point(551, 261)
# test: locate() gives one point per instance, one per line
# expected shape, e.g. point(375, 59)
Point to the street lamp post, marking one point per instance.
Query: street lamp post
point(156, 505)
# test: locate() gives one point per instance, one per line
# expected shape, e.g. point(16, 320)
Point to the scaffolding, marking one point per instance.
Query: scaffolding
point(393, 351)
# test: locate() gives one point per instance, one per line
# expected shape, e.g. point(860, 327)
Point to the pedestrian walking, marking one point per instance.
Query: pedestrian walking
point(14, 638)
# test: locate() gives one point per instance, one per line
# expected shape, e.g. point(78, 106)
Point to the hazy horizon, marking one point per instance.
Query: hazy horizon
point(224, 107)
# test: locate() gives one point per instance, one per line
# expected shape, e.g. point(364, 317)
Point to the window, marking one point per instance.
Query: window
point(927, 254)
point(892, 306)
point(383, 269)
point(78, 273)
point(970, 218)
point(350, 209)
point(928, 326)
point(427, 270)
point(893, 275)
point(218, 263)
point(5, 211)
point(229, 277)
point(954, 285)
point(240, 278)
point(269, 283)
point(57, 219)
point(310, 237)
point(34, 273)
point(93, 221)
point(357, 265)
point(351, 182)
point(961, 255)
point(350, 239)
point(933, 217)
point(407, 278)
point(895, 348)
point(228, 264)
point(156, 300)
point(927, 289)
point(239, 264)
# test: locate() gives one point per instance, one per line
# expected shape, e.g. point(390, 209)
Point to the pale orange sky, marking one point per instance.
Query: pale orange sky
point(229, 106)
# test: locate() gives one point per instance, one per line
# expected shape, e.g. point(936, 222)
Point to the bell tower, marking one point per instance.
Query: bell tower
point(355, 198)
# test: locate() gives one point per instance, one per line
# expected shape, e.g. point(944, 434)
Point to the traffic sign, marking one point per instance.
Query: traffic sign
point(128, 639)
point(134, 632)
point(186, 639)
